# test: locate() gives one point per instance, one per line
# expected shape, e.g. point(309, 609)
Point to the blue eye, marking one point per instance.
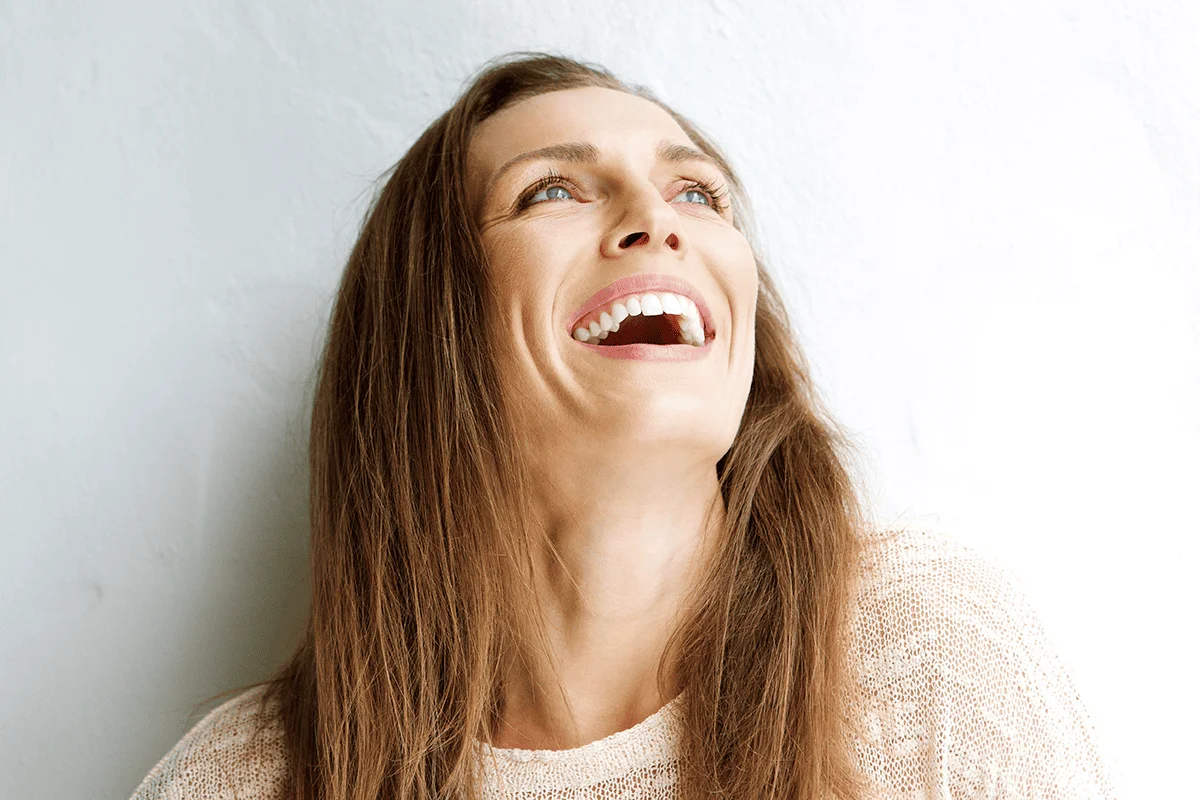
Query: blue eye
point(699, 192)
point(530, 200)
point(553, 180)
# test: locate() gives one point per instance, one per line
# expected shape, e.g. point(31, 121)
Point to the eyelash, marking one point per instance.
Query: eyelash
point(553, 178)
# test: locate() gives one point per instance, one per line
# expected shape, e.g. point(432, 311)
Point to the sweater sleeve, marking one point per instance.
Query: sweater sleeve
point(961, 694)
point(235, 753)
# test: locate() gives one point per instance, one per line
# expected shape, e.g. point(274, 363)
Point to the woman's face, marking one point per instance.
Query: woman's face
point(623, 205)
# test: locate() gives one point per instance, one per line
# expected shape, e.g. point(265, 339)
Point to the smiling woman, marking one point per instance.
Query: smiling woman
point(581, 526)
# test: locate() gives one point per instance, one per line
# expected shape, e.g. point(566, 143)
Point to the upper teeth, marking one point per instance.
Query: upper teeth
point(651, 304)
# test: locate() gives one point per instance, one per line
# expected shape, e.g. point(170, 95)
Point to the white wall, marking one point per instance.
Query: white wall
point(987, 216)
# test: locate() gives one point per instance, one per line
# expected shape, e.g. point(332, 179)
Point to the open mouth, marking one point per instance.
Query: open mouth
point(657, 318)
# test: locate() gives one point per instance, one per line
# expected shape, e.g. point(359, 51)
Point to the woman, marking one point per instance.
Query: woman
point(580, 526)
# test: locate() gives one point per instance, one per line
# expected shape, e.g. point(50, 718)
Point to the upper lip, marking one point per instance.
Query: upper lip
point(648, 282)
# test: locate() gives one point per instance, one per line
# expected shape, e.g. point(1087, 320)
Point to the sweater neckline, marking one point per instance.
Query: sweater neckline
point(657, 728)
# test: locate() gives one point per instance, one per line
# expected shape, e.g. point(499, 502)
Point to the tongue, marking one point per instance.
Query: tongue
point(662, 329)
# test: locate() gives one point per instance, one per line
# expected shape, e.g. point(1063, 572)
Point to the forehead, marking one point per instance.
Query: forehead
point(606, 117)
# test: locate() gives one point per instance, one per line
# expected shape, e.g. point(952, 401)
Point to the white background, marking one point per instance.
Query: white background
point(986, 215)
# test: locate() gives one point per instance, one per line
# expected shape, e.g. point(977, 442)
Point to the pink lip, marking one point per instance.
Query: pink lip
point(652, 352)
point(645, 283)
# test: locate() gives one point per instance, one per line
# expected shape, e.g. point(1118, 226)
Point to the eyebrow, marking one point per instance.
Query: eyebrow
point(588, 153)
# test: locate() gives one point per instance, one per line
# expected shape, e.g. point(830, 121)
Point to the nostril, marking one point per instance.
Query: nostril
point(633, 238)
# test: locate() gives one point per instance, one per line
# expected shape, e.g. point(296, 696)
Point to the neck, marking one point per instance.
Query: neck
point(613, 575)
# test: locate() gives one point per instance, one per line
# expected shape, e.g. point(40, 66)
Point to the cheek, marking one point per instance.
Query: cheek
point(507, 258)
point(740, 254)
point(522, 286)
point(529, 266)
point(505, 265)
point(739, 272)
point(521, 258)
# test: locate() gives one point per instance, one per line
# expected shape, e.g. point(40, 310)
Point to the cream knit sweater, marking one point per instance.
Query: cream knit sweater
point(964, 699)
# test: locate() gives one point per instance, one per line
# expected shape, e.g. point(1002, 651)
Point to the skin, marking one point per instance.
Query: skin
point(625, 451)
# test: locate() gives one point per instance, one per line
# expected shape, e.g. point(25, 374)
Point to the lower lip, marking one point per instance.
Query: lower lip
point(651, 352)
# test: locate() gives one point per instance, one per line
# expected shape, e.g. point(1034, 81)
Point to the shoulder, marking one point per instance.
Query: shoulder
point(958, 687)
point(929, 608)
point(236, 751)
point(923, 575)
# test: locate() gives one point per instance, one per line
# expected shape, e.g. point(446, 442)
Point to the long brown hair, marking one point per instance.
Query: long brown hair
point(421, 557)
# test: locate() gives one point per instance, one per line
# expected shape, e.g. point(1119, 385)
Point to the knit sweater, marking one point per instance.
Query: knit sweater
point(961, 698)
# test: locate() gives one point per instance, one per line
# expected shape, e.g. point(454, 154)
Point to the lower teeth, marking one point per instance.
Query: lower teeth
point(689, 335)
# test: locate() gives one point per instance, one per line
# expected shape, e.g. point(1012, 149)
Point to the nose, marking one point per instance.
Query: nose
point(650, 223)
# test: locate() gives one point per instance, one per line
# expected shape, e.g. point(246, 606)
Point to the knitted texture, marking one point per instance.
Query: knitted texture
point(960, 696)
